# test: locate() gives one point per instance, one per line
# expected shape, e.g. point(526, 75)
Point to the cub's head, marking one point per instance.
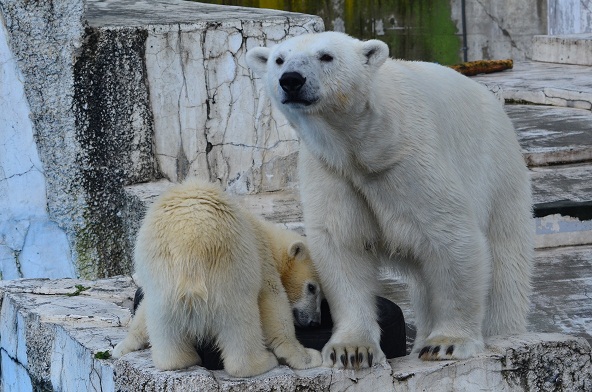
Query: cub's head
point(301, 283)
point(317, 72)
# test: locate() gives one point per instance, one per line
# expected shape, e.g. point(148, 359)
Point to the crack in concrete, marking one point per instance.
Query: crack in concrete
point(497, 22)
point(29, 170)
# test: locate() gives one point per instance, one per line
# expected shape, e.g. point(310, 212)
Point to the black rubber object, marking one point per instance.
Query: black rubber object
point(393, 340)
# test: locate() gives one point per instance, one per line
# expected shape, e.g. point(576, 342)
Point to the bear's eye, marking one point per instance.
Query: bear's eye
point(312, 288)
point(326, 58)
point(279, 61)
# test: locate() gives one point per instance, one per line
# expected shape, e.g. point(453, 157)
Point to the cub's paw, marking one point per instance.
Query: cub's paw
point(252, 366)
point(175, 360)
point(120, 350)
point(305, 358)
point(352, 356)
point(125, 346)
point(443, 348)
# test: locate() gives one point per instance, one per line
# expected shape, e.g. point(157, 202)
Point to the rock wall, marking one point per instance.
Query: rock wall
point(97, 95)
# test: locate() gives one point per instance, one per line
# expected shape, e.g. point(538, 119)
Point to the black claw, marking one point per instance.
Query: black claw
point(435, 350)
point(352, 360)
point(344, 360)
point(360, 358)
point(424, 350)
point(449, 350)
point(332, 356)
point(370, 358)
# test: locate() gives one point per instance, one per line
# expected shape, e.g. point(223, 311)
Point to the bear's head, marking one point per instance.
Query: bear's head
point(301, 283)
point(312, 73)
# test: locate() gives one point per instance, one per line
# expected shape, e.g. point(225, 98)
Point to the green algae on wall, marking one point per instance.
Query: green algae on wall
point(413, 29)
point(114, 123)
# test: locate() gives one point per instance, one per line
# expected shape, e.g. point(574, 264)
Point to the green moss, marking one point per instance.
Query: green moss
point(79, 289)
point(103, 355)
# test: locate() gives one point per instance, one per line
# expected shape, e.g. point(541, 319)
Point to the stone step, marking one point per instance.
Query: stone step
point(552, 135)
point(56, 333)
point(564, 49)
point(543, 84)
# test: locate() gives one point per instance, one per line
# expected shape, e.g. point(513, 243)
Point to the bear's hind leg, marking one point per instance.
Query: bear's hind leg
point(173, 345)
point(456, 280)
point(240, 339)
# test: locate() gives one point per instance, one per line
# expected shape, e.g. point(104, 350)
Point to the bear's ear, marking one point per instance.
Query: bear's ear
point(297, 250)
point(375, 51)
point(257, 60)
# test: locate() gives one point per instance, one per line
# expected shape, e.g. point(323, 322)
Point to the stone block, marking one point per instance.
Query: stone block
point(564, 49)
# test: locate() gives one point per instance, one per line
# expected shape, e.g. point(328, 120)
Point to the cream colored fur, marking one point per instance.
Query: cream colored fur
point(210, 269)
point(408, 165)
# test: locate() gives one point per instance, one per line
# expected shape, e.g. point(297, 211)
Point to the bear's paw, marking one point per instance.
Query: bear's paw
point(352, 356)
point(249, 367)
point(303, 358)
point(445, 348)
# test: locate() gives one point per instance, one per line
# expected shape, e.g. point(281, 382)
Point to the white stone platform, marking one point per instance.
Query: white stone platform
point(53, 331)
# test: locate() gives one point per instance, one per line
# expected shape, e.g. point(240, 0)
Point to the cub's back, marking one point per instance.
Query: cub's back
point(194, 220)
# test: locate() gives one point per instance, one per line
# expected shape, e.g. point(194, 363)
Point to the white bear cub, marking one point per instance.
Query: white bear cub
point(409, 165)
point(210, 269)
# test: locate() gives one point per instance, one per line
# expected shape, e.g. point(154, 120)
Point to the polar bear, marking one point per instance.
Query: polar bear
point(210, 269)
point(408, 165)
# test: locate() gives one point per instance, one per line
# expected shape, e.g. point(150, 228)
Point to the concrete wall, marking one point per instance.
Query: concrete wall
point(501, 29)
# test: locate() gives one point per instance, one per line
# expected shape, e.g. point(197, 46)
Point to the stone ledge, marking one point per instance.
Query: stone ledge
point(564, 49)
point(49, 341)
point(527, 362)
point(540, 83)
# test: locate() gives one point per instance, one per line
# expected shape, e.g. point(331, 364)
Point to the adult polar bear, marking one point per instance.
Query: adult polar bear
point(408, 164)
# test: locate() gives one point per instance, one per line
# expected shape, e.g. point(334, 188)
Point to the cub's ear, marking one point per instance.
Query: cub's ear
point(257, 60)
point(375, 51)
point(297, 250)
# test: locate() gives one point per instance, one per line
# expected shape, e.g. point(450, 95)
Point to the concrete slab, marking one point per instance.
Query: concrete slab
point(551, 135)
point(543, 84)
point(564, 49)
point(562, 285)
point(565, 182)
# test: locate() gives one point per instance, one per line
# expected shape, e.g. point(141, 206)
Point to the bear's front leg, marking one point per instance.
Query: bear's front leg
point(278, 326)
point(343, 240)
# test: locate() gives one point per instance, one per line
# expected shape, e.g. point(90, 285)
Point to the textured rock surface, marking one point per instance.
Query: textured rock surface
point(52, 330)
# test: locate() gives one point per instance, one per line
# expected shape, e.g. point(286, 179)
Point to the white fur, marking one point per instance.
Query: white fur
point(409, 165)
point(210, 269)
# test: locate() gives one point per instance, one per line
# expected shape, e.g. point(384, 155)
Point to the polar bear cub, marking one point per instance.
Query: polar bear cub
point(409, 165)
point(210, 269)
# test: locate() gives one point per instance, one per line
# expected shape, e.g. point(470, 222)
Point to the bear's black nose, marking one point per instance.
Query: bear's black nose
point(292, 81)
